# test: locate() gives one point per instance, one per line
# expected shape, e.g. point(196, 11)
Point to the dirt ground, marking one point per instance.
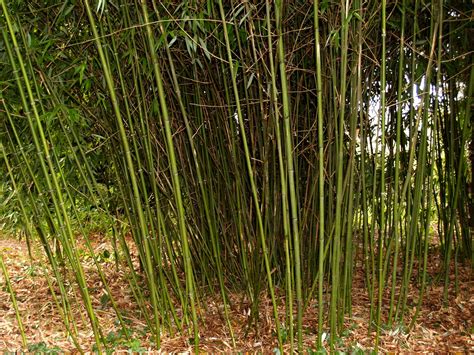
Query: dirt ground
point(438, 329)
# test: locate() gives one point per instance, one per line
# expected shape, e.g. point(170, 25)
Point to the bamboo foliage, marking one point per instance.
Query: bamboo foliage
point(259, 148)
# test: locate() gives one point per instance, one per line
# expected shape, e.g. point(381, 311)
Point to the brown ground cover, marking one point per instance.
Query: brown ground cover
point(438, 329)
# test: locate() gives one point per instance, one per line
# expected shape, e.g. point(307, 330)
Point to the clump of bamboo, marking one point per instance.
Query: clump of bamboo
point(257, 147)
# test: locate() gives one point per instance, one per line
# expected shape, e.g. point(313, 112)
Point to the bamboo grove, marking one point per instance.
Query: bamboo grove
point(268, 148)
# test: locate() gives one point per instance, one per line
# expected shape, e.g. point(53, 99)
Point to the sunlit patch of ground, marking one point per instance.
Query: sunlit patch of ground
point(438, 329)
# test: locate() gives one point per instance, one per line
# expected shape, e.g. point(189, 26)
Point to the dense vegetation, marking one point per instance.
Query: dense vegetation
point(255, 147)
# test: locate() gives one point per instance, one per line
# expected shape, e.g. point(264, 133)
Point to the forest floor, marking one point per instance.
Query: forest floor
point(438, 328)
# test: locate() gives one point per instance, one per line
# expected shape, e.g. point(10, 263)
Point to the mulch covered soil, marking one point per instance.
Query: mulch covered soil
point(438, 329)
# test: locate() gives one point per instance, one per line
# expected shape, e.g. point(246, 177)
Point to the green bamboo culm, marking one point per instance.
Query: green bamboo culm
point(320, 175)
point(191, 291)
point(383, 83)
point(291, 174)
